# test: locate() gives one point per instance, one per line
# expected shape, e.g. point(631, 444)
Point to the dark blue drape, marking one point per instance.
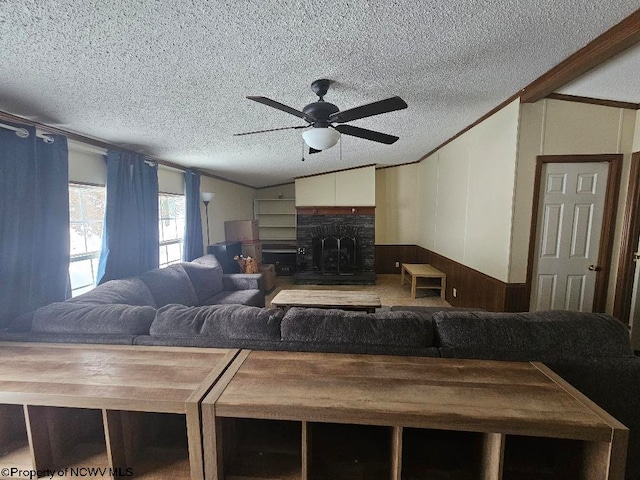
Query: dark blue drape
point(34, 222)
point(193, 245)
point(130, 241)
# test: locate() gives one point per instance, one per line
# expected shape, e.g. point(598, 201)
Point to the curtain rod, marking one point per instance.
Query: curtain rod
point(107, 146)
point(24, 133)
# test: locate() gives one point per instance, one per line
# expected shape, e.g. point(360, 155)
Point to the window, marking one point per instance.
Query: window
point(172, 217)
point(86, 215)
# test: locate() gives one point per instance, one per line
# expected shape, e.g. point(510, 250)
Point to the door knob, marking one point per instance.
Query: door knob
point(636, 256)
point(594, 268)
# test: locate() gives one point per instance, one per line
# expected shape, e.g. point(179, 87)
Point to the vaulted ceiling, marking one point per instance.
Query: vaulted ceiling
point(169, 78)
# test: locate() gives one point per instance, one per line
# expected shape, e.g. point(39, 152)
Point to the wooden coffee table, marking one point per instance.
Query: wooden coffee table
point(435, 279)
point(293, 415)
point(343, 299)
point(98, 406)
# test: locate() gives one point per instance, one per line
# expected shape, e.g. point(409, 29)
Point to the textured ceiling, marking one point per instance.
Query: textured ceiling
point(615, 79)
point(169, 77)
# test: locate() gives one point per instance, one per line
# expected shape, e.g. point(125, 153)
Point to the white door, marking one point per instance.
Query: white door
point(568, 235)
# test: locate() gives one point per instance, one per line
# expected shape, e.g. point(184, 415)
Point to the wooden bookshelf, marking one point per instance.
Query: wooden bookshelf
point(129, 410)
point(315, 416)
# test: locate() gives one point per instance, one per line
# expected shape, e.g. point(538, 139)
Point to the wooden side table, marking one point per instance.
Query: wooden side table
point(296, 415)
point(124, 410)
point(435, 279)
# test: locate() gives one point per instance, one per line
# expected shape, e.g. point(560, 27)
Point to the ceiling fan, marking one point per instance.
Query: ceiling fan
point(321, 116)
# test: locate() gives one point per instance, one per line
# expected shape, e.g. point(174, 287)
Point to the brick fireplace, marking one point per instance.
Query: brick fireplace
point(335, 246)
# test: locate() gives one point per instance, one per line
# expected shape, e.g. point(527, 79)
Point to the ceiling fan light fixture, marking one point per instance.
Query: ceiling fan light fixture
point(321, 138)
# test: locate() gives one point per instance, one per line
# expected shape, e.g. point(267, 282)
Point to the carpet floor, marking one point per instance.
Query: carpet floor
point(387, 287)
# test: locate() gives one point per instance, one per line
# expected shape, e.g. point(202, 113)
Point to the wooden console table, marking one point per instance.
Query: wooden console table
point(292, 415)
point(104, 406)
point(344, 299)
point(435, 279)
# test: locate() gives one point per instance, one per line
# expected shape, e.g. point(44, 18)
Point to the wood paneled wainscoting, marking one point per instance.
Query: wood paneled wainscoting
point(474, 289)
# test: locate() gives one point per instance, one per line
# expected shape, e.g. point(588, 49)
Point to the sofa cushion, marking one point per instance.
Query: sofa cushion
point(407, 329)
point(222, 321)
point(128, 291)
point(170, 285)
point(66, 317)
point(532, 336)
point(206, 276)
point(254, 298)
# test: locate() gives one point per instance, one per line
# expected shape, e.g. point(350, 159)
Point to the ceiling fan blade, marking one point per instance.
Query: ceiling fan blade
point(283, 107)
point(270, 130)
point(313, 150)
point(368, 110)
point(366, 134)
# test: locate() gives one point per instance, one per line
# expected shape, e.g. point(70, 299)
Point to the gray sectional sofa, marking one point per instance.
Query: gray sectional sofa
point(184, 306)
point(119, 310)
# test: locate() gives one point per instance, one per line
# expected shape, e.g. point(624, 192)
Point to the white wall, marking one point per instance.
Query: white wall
point(281, 191)
point(555, 127)
point(351, 188)
point(231, 202)
point(397, 205)
point(466, 195)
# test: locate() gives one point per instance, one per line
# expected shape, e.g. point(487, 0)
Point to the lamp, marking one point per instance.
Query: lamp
point(321, 138)
point(206, 197)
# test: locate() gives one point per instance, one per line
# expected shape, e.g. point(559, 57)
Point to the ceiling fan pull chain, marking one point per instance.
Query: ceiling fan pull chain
point(303, 150)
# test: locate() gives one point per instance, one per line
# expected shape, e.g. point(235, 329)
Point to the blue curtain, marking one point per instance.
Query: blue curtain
point(130, 241)
point(34, 222)
point(193, 245)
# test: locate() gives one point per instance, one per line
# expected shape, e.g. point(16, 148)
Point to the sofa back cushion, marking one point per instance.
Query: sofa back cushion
point(128, 291)
point(234, 322)
point(206, 276)
point(86, 318)
point(170, 285)
point(533, 336)
point(407, 329)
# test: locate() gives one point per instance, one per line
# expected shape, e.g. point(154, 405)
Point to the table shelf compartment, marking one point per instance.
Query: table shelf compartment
point(440, 454)
point(264, 449)
point(14, 442)
point(536, 458)
point(347, 451)
point(149, 445)
point(70, 438)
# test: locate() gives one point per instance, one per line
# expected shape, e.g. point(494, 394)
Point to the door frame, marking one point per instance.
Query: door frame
point(608, 219)
point(630, 235)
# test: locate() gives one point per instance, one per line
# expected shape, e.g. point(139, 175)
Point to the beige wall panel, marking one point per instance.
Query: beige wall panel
point(580, 128)
point(636, 135)
point(280, 191)
point(356, 187)
point(492, 165)
point(318, 191)
point(231, 202)
point(397, 205)
point(382, 206)
point(529, 147)
point(170, 180)
point(451, 211)
point(86, 164)
point(427, 201)
point(626, 139)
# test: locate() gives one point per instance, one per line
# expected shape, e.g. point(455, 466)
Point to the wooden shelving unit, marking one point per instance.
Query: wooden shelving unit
point(276, 219)
point(131, 411)
point(308, 416)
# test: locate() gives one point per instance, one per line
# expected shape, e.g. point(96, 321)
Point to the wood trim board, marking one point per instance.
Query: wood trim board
point(628, 244)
